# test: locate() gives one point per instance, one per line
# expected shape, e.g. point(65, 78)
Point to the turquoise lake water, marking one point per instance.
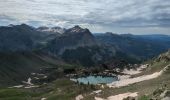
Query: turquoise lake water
point(95, 79)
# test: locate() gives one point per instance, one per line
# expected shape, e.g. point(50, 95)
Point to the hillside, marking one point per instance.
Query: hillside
point(138, 46)
point(17, 67)
point(153, 88)
point(19, 38)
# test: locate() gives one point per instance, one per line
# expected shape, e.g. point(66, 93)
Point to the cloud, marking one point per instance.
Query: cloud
point(96, 14)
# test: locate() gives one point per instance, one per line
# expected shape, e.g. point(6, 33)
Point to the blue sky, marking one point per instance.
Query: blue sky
point(119, 16)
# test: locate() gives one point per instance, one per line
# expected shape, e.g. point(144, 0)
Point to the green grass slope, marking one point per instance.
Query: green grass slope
point(15, 67)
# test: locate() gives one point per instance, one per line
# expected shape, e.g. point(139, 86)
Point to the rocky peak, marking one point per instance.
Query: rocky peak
point(164, 56)
point(10, 25)
point(77, 29)
point(24, 26)
point(21, 26)
point(42, 28)
point(19, 38)
point(51, 29)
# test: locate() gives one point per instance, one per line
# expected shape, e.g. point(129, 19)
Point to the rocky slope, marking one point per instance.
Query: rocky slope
point(71, 39)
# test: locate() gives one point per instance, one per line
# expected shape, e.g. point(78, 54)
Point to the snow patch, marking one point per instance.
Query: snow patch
point(96, 92)
point(135, 71)
point(31, 86)
point(166, 98)
point(163, 94)
point(129, 81)
point(28, 81)
point(17, 86)
point(79, 97)
point(43, 98)
point(119, 96)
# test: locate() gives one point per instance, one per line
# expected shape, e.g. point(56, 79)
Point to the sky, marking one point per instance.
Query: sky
point(118, 16)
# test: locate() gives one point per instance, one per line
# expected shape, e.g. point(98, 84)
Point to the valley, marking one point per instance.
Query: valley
point(84, 49)
point(74, 64)
point(152, 85)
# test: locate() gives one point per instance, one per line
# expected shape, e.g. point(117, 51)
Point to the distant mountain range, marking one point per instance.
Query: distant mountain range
point(79, 46)
point(25, 49)
point(139, 46)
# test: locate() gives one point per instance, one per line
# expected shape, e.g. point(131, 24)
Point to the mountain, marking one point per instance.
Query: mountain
point(17, 67)
point(19, 38)
point(72, 38)
point(24, 38)
point(52, 30)
point(139, 46)
point(76, 45)
point(49, 57)
point(79, 46)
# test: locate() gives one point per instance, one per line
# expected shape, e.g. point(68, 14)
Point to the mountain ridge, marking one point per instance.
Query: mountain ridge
point(77, 40)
